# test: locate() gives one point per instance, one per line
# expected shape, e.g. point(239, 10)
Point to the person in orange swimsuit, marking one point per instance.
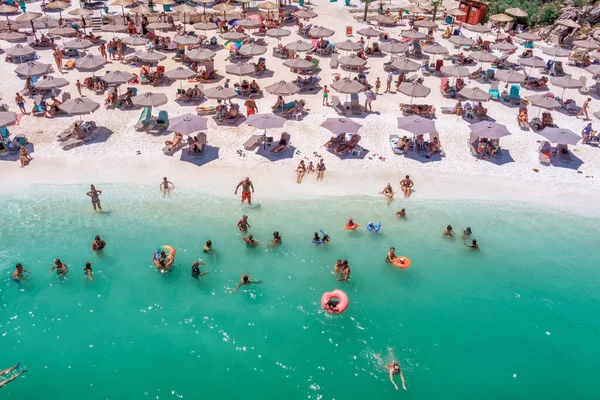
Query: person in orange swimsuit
point(247, 186)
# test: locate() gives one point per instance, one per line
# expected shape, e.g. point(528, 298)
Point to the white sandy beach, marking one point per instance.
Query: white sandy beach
point(127, 156)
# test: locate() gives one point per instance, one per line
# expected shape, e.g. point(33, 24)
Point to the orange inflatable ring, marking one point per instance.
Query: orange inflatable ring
point(401, 262)
point(335, 294)
point(351, 227)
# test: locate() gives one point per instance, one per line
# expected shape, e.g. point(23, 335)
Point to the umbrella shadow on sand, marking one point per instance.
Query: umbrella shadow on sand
point(237, 122)
point(211, 153)
point(14, 156)
point(266, 153)
point(349, 156)
point(574, 165)
point(477, 120)
point(267, 73)
point(500, 160)
point(422, 157)
point(101, 135)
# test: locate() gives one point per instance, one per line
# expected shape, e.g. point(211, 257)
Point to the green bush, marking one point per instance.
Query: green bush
point(537, 14)
point(580, 3)
point(548, 14)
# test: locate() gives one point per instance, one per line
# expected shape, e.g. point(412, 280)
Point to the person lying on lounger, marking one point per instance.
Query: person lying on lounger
point(480, 110)
point(278, 104)
point(303, 81)
point(341, 138)
point(281, 145)
point(435, 146)
point(232, 113)
point(345, 147)
point(254, 88)
point(403, 144)
point(175, 142)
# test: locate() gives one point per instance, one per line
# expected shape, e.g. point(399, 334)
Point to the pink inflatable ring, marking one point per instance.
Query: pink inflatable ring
point(330, 305)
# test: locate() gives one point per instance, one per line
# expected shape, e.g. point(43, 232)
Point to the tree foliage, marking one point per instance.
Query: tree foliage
point(537, 14)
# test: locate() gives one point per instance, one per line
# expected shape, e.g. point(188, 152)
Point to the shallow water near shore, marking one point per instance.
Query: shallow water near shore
point(516, 320)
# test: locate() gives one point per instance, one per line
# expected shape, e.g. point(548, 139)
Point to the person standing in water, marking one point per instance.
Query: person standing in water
point(244, 281)
point(276, 239)
point(246, 185)
point(243, 224)
point(344, 272)
point(95, 195)
point(60, 268)
point(12, 378)
point(166, 186)
point(208, 247)
point(448, 232)
point(87, 271)
point(390, 255)
point(473, 245)
point(196, 269)
point(466, 233)
point(98, 244)
point(17, 275)
point(388, 192)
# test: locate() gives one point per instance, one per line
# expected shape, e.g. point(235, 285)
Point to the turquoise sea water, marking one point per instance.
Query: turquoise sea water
point(516, 321)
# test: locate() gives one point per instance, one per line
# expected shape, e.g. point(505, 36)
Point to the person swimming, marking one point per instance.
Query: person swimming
point(61, 269)
point(87, 271)
point(245, 281)
point(466, 233)
point(351, 224)
point(276, 239)
point(208, 247)
point(390, 255)
point(401, 213)
point(161, 260)
point(243, 224)
point(331, 306)
point(17, 275)
point(448, 232)
point(393, 368)
point(473, 245)
point(250, 240)
point(196, 270)
point(98, 244)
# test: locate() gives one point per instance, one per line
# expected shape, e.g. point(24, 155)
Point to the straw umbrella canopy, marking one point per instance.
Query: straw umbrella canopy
point(6, 9)
point(348, 86)
point(90, 62)
point(299, 46)
point(20, 51)
point(556, 52)
point(510, 76)
point(187, 124)
point(79, 44)
point(455, 70)
point(204, 3)
point(63, 31)
point(51, 82)
point(528, 36)
point(32, 68)
point(385, 20)
point(282, 88)
point(475, 94)
point(159, 26)
point(544, 101)
point(58, 5)
point(352, 61)
point(165, 2)
point(240, 69)
point(369, 32)
point(248, 23)
point(456, 12)
point(150, 100)
point(307, 14)
point(426, 24)
point(141, 9)
point(7, 118)
point(566, 82)
point(490, 130)
point(587, 44)
point(348, 45)
point(532, 62)
point(118, 77)
point(252, 50)
point(504, 46)
point(79, 106)
point(12, 36)
point(394, 47)
point(205, 26)
point(278, 33)
point(122, 3)
point(414, 89)
point(267, 5)
point(416, 125)
point(415, 9)
point(265, 121)
point(337, 125)
point(135, 40)
point(152, 56)
point(568, 23)
point(29, 16)
point(184, 9)
point(81, 12)
point(180, 74)
point(186, 40)
point(200, 54)
point(320, 32)
point(224, 7)
point(560, 135)
point(235, 36)
point(413, 35)
point(435, 49)
point(114, 27)
point(516, 12)
point(483, 57)
point(478, 28)
point(501, 18)
point(298, 63)
point(405, 65)
point(461, 41)
point(220, 93)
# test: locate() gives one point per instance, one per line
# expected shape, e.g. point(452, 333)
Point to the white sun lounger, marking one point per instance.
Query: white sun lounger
point(254, 141)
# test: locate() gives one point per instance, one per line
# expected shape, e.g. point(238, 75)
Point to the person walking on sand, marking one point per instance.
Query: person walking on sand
point(325, 96)
point(406, 184)
point(95, 195)
point(584, 109)
point(377, 85)
point(78, 86)
point(12, 378)
point(58, 59)
point(251, 107)
point(166, 186)
point(388, 87)
point(246, 185)
point(369, 97)
point(320, 170)
point(102, 49)
point(20, 102)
